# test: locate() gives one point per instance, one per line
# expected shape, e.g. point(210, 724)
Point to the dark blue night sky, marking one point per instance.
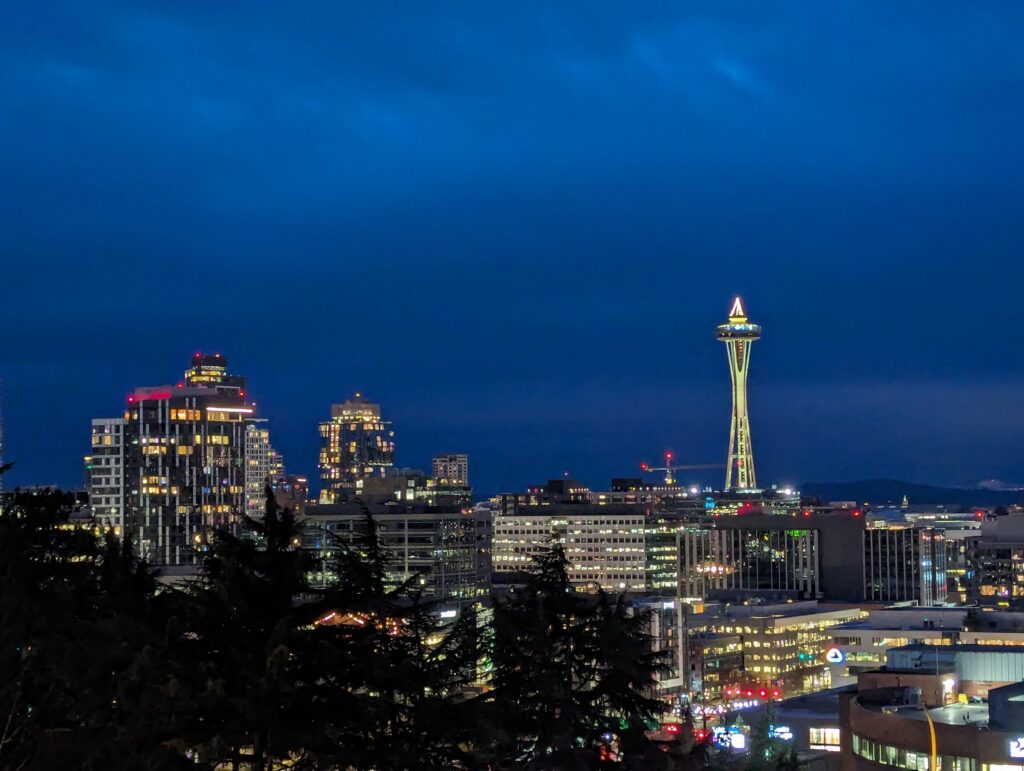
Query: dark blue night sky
point(517, 227)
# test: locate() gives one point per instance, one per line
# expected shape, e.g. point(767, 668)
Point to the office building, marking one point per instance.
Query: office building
point(434, 547)
point(355, 444)
point(739, 335)
point(818, 554)
point(769, 557)
point(904, 562)
point(605, 544)
point(995, 563)
point(451, 470)
point(784, 647)
point(104, 474)
point(861, 645)
point(666, 631)
point(716, 665)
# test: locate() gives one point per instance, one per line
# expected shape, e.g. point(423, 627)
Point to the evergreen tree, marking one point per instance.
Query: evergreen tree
point(76, 628)
point(573, 675)
point(393, 673)
point(234, 695)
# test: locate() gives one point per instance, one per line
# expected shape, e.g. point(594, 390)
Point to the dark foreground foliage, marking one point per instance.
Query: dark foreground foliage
point(102, 666)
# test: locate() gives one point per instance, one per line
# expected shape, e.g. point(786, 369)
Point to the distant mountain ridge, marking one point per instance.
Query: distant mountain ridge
point(879, 492)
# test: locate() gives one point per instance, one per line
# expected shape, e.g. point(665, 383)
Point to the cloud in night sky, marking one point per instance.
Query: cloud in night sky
point(517, 226)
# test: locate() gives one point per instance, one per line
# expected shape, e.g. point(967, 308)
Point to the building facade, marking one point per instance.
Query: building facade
point(433, 547)
point(784, 646)
point(104, 472)
point(956, 709)
point(904, 563)
point(259, 467)
point(184, 462)
point(861, 646)
point(356, 443)
point(451, 470)
point(605, 545)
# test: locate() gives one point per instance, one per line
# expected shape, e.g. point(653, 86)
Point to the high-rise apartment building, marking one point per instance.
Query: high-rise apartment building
point(259, 467)
point(451, 470)
point(184, 461)
point(104, 474)
point(355, 443)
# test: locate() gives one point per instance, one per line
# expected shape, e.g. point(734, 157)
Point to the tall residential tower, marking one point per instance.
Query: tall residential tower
point(355, 443)
point(739, 335)
point(173, 467)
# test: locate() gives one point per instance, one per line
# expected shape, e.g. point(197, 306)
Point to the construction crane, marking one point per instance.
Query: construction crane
point(670, 469)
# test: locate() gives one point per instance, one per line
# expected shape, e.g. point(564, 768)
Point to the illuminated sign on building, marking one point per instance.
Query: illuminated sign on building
point(1017, 747)
point(729, 737)
point(835, 656)
point(783, 732)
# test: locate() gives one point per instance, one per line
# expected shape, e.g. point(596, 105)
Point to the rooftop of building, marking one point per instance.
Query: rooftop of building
point(359, 509)
point(948, 714)
point(960, 648)
point(819, 703)
point(786, 609)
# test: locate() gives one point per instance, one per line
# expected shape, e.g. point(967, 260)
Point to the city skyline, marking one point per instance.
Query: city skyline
point(527, 275)
point(737, 324)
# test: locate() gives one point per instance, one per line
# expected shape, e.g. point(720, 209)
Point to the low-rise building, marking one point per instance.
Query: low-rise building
point(959, 708)
point(434, 547)
point(782, 647)
point(861, 646)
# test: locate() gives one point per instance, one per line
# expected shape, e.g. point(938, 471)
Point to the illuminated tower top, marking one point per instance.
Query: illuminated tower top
point(738, 327)
point(738, 334)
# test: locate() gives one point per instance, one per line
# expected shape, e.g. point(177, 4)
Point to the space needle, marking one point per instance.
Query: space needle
point(739, 335)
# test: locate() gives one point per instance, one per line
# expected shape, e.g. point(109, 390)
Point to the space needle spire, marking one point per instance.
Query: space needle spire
point(739, 334)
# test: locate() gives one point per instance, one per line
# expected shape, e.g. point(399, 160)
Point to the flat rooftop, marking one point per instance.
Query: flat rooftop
point(963, 648)
point(950, 714)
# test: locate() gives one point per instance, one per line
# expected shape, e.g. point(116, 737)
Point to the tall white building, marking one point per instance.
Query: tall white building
point(451, 470)
point(104, 469)
point(259, 467)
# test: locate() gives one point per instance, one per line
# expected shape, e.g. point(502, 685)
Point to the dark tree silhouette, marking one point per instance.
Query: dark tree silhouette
point(394, 671)
point(573, 676)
